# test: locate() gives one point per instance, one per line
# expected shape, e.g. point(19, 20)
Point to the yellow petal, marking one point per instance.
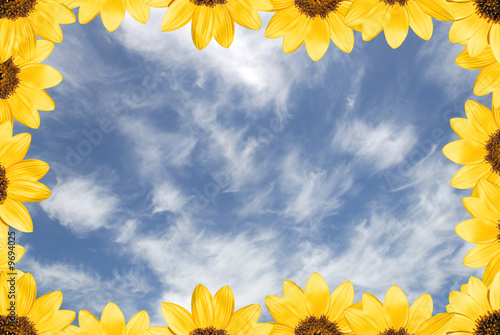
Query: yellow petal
point(243, 14)
point(57, 322)
point(462, 30)
point(27, 294)
point(15, 150)
point(282, 311)
point(138, 324)
point(244, 320)
point(112, 13)
point(477, 43)
point(281, 22)
point(481, 254)
point(480, 116)
point(359, 11)
point(477, 231)
point(45, 26)
point(28, 191)
point(494, 292)
point(341, 35)
point(375, 309)
point(420, 311)
point(224, 31)
point(360, 322)
point(374, 25)
point(490, 192)
point(26, 42)
point(317, 38)
point(437, 325)
point(30, 169)
point(24, 111)
point(138, 9)
point(466, 130)
point(295, 37)
point(494, 38)
point(295, 295)
point(478, 209)
point(38, 97)
point(396, 25)
point(89, 322)
point(202, 307)
point(482, 60)
point(223, 307)
point(396, 308)
point(7, 41)
point(438, 9)
point(88, 11)
point(45, 306)
point(201, 28)
point(178, 318)
point(465, 304)
point(467, 176)
point(39, 76)
point(178, 15)
point(479, 292)
point(317, 294)
point(420, 22)
point(465, 152)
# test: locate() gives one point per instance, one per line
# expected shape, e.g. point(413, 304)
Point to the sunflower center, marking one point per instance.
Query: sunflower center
point(209, 331)
point(16, 325)
point(493, 149)
point(392, 331)
point(209, 3)
point(9, 80)
point(317, 326)
point(488, 324)
point(313, 8)
point(4, 184)
point(488, 10)
point(12, 9)
point(393, 2)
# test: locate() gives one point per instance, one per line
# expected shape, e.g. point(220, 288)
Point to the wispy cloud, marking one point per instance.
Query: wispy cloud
point(80, 204)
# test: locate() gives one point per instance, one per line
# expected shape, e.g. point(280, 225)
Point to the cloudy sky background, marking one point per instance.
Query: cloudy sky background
point(245, 167)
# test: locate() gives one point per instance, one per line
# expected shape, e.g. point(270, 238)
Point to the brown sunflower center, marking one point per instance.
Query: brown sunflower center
point(12, 9)
point(392, 331)
point(313, 8)
point(393, 2)
point(209, 331)
point(4, 184)
point(209, 3)
point(488, 10)
point(493, 149)
point(9, 80)
point(317, 326)
point(488, 324)
point(16, 325)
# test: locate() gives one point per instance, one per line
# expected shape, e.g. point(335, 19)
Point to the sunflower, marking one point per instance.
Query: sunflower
point(18, 179)
point(112, 322)
point(313, 311)
point(22, 83)
point(478, 149)
point(211, 17)
point(477, 308)
point(21, 20)
point(488, 79)
point(211, 316)
point(112, 11)
point(312, 21)
point(395, 16)
point(394, 317)
point(10, 251)
point(25, 315)
point(477, 25)
point(484, 228)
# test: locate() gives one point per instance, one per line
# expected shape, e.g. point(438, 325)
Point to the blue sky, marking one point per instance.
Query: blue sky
point(245, 167)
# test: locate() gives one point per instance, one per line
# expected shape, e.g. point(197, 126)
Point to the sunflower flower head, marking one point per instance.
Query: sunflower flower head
point(477, 309)
point(211, 316)
point(22, 85)
point(211, 18)
point(22, 20)
point(395, 17)
point(477, 148)
point(26, 315)
point(313, 311)
point(313, 22)
point(112, 322)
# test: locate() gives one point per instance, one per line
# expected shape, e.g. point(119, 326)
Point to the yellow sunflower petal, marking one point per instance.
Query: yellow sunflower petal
point(24, 111)
point(295, 295)
point(178, 15)
point(6, 128)
point(27, 294)
point(89, 322)
point(466, 130)
point(494, 38)
point(178, 318)
point(375, 309)
point(420, 311)
point(243, 14)
point(396, 307)
point(317, 295)
point(15, 150)
point(478, 209)
point(437, 325)
point(244, 319)
point(480, 116)
point(112, 320)
point(420, 22)
point(482, 60)
point(341, 35)
point(360, 322)
point(57, 322)
point(279, 329)
point(138, 323)
point(479, 292)
point(38, 97)
point(468, 175)
point(490, 192)
point(374, 25)
point(494, 292)
point(7, 40)
point(341, 298)
point(359, 11)
point(224, 31)
point(396, 25)
point(202, 307)
point(26, 43)
point(5, 111)
point(138, 9)
point(463, 9)
point(438, 9)
point(462, 30)
point(201, 27)
point(477, 43)
point(45, 306)
point(28, 191)
point(462, 323)
point(39, 76)
point(88, 11)
point(480, 255)
point(282, 311)
point(112, 13)
point(465, 152)
point(261, 329)
point(295, 37)
point(477, 231)
point(30, 169)
point(45, 26)
point(223, 307)
point(464, 304)
point(281, 22)
point(317, 38)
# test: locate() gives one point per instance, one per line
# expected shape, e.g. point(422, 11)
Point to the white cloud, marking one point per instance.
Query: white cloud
point(383, 145)
point(80, 204)
point(168, 198)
